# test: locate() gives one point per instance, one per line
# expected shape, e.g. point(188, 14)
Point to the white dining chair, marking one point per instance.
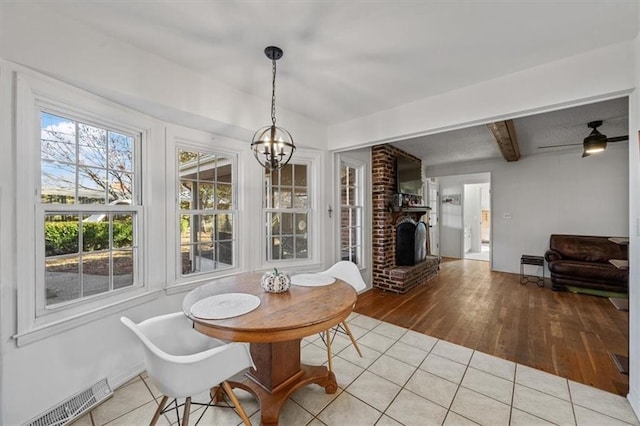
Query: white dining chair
point(349, 273)
point(183, 362)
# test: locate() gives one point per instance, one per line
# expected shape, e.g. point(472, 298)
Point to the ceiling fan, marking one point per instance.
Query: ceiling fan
point(595, 142)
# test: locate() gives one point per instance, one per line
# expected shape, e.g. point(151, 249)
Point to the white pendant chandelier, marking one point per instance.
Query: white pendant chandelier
point(272, 145)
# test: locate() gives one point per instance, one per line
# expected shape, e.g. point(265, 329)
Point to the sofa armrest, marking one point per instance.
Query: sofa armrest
point(552, 255)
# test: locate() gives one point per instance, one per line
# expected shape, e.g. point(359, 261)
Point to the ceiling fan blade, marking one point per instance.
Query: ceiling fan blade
point(556, 146)
point(618, 138)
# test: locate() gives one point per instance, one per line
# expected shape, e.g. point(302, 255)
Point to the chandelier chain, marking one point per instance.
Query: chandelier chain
point(273, 93)
point(271, 145)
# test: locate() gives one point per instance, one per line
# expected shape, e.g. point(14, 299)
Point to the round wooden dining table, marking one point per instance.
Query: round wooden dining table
point(274, 331)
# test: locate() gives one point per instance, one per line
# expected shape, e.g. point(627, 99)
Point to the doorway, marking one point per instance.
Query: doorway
point(477, 221)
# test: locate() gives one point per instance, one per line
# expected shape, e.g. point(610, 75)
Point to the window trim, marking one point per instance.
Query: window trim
point(41, 209)
point(359, 207)
point(266, 211)
point(178, 137)
point(314, 161)
point(33, 93)
point(363, 164)
point(42, 309)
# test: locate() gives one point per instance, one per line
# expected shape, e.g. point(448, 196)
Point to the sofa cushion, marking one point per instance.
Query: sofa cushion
point(587, 248)
point(588, 271)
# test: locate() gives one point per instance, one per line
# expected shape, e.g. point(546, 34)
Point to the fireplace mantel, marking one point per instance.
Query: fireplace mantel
point(414, 209)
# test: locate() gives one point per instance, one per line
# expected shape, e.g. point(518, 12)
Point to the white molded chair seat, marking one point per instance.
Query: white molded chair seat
point(183, 362)
point(349, 273)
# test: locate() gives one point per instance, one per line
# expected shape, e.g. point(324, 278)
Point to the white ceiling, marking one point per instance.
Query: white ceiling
point(348, 59)
point(344, 60)
point(560, 127)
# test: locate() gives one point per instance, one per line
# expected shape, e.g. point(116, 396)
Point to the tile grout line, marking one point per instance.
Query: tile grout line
point(133, 409)
point(359, 375)
point(384, 412)
point(460, 386)
point(403, 387)
point(513, 391)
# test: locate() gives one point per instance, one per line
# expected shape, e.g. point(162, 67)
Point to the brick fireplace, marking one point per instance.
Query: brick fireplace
point(386, 274)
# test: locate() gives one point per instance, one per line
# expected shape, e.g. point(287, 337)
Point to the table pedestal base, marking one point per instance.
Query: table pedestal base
point(272, 402)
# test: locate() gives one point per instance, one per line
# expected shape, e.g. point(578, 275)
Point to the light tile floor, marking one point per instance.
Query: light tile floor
point(403, 378)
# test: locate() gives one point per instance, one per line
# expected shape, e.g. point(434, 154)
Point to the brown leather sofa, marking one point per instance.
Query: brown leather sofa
point(583, 261)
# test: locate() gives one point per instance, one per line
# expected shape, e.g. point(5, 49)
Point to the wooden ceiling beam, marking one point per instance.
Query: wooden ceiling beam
point(505, 135)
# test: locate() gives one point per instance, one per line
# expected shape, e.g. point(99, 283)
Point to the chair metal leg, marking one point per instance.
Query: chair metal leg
point(353, 340)
point(156, 415)
point(187, 409)
point(236, 403)
point(329, 355)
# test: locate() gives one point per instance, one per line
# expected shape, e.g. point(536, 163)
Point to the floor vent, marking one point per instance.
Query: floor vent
point(74, 407)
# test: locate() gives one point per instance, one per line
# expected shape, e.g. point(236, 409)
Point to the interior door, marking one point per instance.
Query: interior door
point(433, 201)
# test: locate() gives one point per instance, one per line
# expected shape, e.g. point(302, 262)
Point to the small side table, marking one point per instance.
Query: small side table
point(534, 261)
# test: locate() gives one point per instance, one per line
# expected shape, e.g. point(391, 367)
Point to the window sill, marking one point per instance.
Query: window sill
point(42, 331)
point(183, 287)
point(291, 266)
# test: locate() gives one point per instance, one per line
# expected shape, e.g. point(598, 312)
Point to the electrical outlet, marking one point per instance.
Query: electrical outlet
point(507, 215)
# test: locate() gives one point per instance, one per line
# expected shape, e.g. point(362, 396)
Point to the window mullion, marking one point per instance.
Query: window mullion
point(111, 254)
point(81, 254)
point(77, 169)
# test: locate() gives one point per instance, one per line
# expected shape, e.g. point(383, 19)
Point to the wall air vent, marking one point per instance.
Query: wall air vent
point(74, 407)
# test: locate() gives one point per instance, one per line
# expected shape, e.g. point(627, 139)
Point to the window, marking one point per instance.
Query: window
point(206, 211)
point(82, 234)
point(89, 205)
point(351, 214)
point(287, 211)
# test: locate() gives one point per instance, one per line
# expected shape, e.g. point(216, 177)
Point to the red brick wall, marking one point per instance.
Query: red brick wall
point(383, 180)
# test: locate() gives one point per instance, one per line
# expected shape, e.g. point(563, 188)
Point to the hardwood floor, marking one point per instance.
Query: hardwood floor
point(570, 335)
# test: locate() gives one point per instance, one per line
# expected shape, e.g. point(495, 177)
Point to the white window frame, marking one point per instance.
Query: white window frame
point(42, 309)
point(358, 207)
point(178, 137)
point(314, 162)
point(35, 93)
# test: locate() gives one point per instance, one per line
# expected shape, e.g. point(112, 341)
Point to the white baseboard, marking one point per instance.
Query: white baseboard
point(634, 399)
point(121, 378)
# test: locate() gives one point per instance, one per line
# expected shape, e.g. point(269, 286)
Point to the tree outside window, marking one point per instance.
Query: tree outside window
point(88, 193)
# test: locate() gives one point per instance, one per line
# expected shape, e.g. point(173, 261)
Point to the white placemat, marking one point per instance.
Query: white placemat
point(225, 305)
point(312, 280)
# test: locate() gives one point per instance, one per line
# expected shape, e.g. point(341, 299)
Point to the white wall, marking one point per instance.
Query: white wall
point(472, 212)
point(485, 197)
point(453, 217)
point(550, 193)
point(470, 207)
point(555, 85)
point(634, 237)
point(76, 54)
